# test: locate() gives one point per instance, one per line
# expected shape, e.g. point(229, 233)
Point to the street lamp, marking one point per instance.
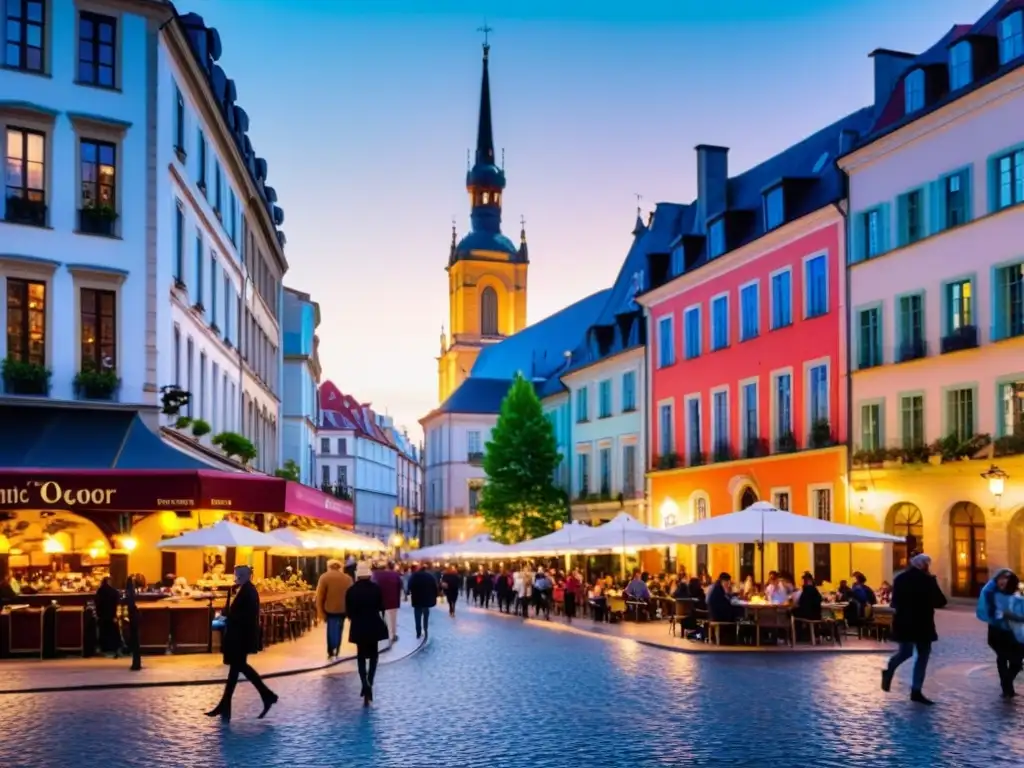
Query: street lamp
point(996, 480)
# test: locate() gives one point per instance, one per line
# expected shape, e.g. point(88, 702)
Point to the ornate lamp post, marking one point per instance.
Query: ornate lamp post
point(996, 481)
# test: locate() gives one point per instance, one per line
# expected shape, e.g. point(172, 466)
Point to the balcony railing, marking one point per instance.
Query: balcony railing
point(476, 458)
point(339, 491)
point(914, 349)
point(964, 337)
point(97, 221)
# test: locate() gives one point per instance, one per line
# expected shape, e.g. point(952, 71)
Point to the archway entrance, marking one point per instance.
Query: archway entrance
point(1016, 542)
point(905, 520)
point(969, 556)
point(747, 551)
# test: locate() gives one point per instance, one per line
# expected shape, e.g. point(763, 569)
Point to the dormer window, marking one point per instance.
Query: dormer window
point(913, 91)
point(960, 65)
point(774, 208)
point(716, 238)
point(1011, 37)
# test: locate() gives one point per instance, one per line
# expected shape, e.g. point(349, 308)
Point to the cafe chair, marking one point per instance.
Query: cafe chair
point(681, 611)
point(776, 620)
point(616, 609)
point(714, 631)
point(819, 629)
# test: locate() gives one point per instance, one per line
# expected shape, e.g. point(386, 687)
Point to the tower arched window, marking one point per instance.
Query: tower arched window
point(489, 312)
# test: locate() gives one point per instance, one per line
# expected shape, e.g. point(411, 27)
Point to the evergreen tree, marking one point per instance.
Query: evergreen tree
point(520, 500)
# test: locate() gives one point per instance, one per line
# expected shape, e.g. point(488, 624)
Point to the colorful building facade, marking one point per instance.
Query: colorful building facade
point(937, 302)
point(747, 356)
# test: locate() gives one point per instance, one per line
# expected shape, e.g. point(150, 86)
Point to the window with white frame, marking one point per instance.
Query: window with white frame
point(666, 344)
point(960, 65)
point(665, 429)
point(694, 444)
point(691, 329)
point(816, 286)
point(720, 421)
point(583, 467)
point(750, 321)
point(817, 384)
point(782, 299)
point(720, 322)
point(750, 415)
point(783, 409)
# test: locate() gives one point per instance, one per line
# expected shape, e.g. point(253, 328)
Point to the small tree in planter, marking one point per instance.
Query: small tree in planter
point(173, 398)
point(200, 428)
point(290, 471)
point(24, 378)
point(235, 445)
point(183, 422)
point(97, 382)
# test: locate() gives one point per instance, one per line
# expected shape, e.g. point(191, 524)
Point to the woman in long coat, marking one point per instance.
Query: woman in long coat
point(364, 606)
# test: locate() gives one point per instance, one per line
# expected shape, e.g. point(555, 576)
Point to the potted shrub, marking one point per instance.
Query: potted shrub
point(92, 383)
point(290, 471)
point(173, 398)
point(787, 443)
point(182, 422)
point(97, 218)
point(235, 445)
point(24, 378)
point(200, 428)
point(821, 434)
point(23, 211)
point(892, 458)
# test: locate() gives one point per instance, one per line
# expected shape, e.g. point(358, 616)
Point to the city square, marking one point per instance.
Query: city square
point(689, 424)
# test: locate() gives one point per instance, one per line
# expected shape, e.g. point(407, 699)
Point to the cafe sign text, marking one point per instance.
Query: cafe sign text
point(49, 494)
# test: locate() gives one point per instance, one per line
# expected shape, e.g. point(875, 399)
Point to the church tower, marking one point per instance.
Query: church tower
point(486, 271)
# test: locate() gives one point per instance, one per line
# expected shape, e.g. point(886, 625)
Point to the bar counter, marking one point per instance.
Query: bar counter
point(53, 624)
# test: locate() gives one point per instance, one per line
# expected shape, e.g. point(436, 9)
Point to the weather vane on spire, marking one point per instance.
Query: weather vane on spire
point(487, 32)
point(639, 202)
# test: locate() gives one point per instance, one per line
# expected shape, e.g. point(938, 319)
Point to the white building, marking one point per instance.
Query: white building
point(78, 239)
point(409, 477)
point(454, 474)
point(608, 437)
point(222, 259)
point(114, 260)
point(357, 460)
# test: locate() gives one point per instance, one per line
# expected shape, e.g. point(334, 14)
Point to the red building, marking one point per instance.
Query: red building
point(747, 352)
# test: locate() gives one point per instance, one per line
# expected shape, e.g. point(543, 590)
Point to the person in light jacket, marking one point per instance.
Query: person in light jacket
point(330, 604)
point(526, 596)
point(994, 610)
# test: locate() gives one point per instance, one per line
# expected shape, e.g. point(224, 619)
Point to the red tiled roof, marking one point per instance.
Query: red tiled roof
point(341, 411)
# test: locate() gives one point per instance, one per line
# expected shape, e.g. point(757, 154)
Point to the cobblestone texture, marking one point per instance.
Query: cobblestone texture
point(491, 692)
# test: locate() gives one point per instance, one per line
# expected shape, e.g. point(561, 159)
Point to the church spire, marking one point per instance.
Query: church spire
point(485, 131)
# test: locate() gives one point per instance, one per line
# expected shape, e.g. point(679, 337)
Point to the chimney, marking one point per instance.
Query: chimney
point(889, 65)
point(847, 140)
point(712, 182)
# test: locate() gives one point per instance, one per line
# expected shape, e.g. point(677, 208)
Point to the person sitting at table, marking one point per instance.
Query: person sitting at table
point(860, 600)
point(720, 607)
point(682, 590)
point(637, 589)
point(807, 600)
point(843, 592)
point(885, 593)
point(775, 590)
point(747, 588)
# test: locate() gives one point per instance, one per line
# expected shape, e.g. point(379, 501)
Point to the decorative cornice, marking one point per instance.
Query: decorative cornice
point(96, 271)
point(26, 109)
point(31, 262)
point(86, 122)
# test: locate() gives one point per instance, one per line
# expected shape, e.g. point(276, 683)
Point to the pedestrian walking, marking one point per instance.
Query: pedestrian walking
point(915, 596)
point(331, 589)
point(133, 624)
point(423, 596)
point(450, 586)
point(241, 639)
point(996, 608)
point(364, 607)
point(390, 583)
point(573, 586)
point(106, 601)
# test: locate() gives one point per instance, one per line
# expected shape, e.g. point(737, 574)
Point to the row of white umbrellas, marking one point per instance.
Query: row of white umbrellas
point(282, 541)
point(761, 522)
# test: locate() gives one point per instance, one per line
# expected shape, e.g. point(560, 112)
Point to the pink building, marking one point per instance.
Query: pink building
point(747, 354)
point(937, 301)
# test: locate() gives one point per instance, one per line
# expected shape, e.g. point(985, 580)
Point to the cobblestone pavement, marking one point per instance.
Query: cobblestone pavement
point(492, 692)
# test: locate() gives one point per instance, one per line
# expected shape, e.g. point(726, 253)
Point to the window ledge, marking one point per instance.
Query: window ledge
point(782, 326)
point(604, 416)
point(26, 224)
point(181, 154)
point(98, 86)
point(719, 349)
point(631, 409)
point(814, 315)
point(9, 68)
point(97, 234)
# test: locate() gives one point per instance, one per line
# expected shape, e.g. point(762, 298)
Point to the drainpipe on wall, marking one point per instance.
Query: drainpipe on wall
point(849, 354)
point(645, 427)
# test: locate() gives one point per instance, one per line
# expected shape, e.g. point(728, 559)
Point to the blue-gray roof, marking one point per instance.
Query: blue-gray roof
point(538, 351)
point(477, 395)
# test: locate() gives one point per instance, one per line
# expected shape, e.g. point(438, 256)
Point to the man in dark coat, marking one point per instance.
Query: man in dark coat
point(915, 596)
point(423, 596)
point(364, 607)
point(241, 638)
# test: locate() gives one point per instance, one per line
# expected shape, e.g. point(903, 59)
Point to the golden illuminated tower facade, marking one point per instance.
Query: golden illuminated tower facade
point(486, 271)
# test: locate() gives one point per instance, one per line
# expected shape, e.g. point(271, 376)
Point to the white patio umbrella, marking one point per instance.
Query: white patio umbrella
point(350, 541)
point(622, 533)
point(222, 534)
point(555, 543)
point(324, 541)
point(483, 547)
point(761, 522)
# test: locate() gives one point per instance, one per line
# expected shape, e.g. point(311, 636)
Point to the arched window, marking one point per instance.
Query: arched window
point(489, 312)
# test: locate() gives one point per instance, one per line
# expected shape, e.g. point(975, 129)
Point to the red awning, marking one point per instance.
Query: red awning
point(124, 490)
